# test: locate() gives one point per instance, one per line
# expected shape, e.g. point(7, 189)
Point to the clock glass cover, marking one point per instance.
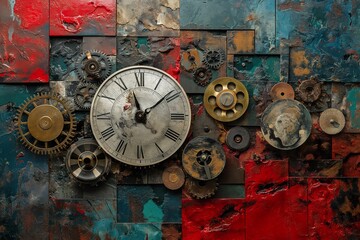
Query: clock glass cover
point(140, 115)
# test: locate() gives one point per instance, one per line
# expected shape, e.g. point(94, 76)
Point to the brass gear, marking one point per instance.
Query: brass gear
point(87, 162)
point(46, 123)
point(201, 189)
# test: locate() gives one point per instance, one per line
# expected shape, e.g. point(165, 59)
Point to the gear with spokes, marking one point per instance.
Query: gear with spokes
point(84, 94)
point(93, 66)
point(46, 123)
point(214, 58)
point(87, 162)
point(202, 76)
point(201, 189)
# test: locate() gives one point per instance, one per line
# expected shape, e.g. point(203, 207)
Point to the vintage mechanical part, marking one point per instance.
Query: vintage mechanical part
point(93, 66)
point(204, 125)
point(140, 116)
point(46, 123)
point(191, 59)
point(203, 158)
point(201, 189)
point(202, 76)
point(282, 90)
point(87, 162)
point(226, 99)
point(214, 58)
point(173, 177)
point(286, 124)
point(84, 94)
point(332, 121)
point(309, 90)
point(238, 138)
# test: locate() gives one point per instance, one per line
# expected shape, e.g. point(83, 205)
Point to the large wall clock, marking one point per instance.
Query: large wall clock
point(140, 115)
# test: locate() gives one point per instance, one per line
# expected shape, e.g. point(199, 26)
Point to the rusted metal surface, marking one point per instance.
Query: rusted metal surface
point(148, 18)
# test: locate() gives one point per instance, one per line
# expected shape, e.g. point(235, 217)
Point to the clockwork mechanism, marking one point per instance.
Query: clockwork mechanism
point(201, 189)
point(93, 66)
point(46, 123)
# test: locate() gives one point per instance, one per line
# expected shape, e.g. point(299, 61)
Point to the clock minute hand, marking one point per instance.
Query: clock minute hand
point(147, 111)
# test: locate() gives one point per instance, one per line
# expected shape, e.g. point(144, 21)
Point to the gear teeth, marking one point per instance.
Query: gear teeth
point(214, 58)
point(201, 191)
point(95, 54)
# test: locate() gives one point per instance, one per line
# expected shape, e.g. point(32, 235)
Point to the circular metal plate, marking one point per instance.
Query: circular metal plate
point(238, 138)
point(286, 124)
point(332, 121)
point(309, 90)
point(282, 90)
point(173, 177)
point(86, 161)
point(201, 189)
point(203, 158)
point(226, 99)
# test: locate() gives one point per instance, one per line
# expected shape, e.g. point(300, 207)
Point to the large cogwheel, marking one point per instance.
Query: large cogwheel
point(46, 123)
point(214, 58)
point(84, 94)
point(93, 66)
point(87, 162)
point(201, 189)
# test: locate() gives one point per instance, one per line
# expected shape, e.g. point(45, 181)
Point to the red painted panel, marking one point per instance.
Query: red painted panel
point(82, 17)
point(213, 219)
point(332, 208)
point(24, 41)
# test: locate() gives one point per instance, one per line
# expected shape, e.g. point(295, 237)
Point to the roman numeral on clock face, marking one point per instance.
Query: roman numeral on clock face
point(121, 147)
point(139, 152)
point(140, 79)
point(172, 97)
point(103, 116)
point(108, 133)
point(172, 134)
point(177, 116)
point(121, 83)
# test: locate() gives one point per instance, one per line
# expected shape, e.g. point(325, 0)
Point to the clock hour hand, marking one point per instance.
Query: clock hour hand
point(148, 110)
point(136, 102)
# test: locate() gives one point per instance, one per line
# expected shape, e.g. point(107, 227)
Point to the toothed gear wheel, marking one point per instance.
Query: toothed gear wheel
point(84, 94)
point(201, 189)
point(93, 66)
point(214, 58)
point(87, 162)
point(45, 123)
point(202, 76)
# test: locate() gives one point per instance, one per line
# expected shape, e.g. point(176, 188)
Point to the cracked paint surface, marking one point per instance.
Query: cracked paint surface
point(24, 41)
point(82, 18)
point(148, 18)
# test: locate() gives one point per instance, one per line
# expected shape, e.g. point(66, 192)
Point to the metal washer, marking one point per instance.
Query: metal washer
point(238, 138)
point(332, 121)
point(173, 177)
point(282, 90)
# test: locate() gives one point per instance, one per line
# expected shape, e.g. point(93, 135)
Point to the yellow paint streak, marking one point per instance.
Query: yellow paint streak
point(241, 42)
point(299, 63)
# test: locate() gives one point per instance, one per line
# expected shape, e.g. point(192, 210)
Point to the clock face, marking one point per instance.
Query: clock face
point(140, 115)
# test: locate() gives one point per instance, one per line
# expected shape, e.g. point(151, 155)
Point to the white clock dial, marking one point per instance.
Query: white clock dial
point(140, 115)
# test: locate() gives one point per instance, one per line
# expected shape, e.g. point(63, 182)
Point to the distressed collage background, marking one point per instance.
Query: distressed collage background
point(308, 193)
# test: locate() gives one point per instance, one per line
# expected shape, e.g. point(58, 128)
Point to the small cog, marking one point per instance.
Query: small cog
point(202, 76)
point(84, 94)
point(46, 123)
point(93, 66)
point(201, 189)
point(214, 58)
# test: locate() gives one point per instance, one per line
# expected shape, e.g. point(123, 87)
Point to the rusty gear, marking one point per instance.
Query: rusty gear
point(309, 90)
point(173, 177)
point(46, 123)
point(84, 94)
point(214, 58)
point(87, 162)
point(201, 189)
point(202, 76)
point(93, 66)
point(203, 158)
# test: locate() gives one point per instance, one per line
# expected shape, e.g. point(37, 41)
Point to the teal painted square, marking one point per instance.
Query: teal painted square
point(148, 204)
